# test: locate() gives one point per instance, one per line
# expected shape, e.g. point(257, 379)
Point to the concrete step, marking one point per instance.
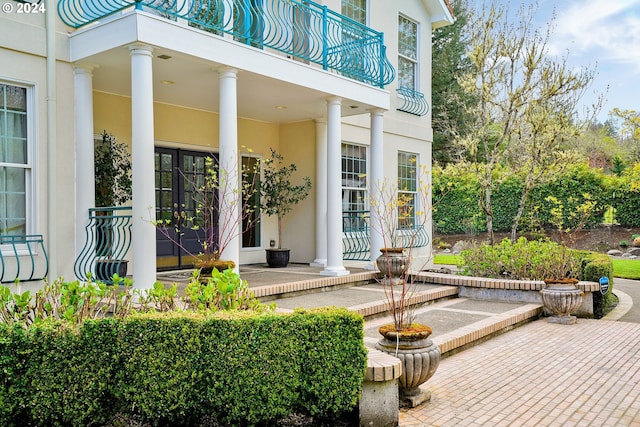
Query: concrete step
point(457, 322)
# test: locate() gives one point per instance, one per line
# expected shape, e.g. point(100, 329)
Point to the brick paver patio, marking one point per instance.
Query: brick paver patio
point(540, 374)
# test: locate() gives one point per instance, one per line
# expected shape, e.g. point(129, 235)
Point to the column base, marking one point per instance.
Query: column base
point(334, 271)
point(371, 266)
point(319, 262)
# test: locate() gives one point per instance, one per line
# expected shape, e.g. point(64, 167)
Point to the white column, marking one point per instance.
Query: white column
point(229, 209)
point(321, 194)
point(143, 173)
point(85, 169)
point(334, 265)
point(376, 178)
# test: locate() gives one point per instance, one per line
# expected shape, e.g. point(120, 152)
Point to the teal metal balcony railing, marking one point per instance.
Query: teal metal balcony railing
point(414, 102)
point(108, 239)
point(300, 28)
point(356, 243)
point(23, 258)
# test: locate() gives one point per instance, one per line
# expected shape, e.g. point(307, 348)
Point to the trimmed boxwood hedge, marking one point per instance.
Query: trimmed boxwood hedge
point(241, 368)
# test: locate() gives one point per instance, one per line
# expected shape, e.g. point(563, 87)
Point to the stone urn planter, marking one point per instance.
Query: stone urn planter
point(561, 298)
point(393, 262)
point(419, 356)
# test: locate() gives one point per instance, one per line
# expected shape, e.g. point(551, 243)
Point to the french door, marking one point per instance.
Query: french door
point(178, 174)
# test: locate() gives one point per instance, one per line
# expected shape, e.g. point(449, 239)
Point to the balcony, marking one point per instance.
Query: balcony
point(302, 30)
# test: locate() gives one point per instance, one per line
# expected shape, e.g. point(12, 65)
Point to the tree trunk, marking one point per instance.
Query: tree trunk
point(279, 231)
point(516, 219)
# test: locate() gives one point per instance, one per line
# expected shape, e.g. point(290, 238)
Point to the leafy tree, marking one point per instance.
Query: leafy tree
point(629, 130)
point(618, 166)
point(449, 61)
point(526, 100)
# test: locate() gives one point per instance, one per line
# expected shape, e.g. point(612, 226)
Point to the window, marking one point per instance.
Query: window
point(251, 202)
point(15, 168)
point(407, 189)
point(356, 10)
point(354, 184)
point(407, 53)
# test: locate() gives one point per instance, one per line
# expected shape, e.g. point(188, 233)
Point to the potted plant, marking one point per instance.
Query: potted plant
point(212, 196)
point(278, 197)
point(395, 216)
point(112, 164)
point(560, 295)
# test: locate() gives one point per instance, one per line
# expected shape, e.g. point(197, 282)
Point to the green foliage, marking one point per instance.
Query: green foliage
point(533, 260)
point(457, 195)
point(626, 197)
point(112, 172)
point(626, 268)
point(55, 375)
point(522, 260)
point(239, 367)
point(73, 302)
point(332, 378)
point(221, 291)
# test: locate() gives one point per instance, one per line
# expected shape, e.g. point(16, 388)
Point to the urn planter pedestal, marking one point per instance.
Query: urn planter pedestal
point(419, 356)
point(562, 299)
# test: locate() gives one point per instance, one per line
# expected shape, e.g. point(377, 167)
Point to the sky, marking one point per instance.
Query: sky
point(604, 34)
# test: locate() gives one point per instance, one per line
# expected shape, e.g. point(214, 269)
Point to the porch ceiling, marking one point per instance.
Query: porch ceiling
point(190, 80)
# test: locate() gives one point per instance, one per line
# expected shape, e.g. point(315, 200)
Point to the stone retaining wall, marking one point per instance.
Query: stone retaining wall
point(518, 291)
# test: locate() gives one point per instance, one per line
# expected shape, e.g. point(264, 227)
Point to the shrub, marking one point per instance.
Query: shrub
point(522, 260)
point(623, 243)
point(241, 368)
point(636, 242)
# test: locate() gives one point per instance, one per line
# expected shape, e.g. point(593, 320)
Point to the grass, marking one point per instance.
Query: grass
point(623, 268)
point(626, 268)
point(446, 259)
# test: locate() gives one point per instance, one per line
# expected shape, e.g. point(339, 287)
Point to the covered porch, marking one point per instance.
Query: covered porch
point(158, 82)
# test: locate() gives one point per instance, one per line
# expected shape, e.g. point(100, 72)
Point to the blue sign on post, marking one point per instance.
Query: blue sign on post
point(604, 285)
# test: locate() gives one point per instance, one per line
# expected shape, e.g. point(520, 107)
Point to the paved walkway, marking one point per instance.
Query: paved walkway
point(541, 374)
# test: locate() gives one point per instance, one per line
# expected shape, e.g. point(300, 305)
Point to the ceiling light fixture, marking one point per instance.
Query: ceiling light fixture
point(167, 82)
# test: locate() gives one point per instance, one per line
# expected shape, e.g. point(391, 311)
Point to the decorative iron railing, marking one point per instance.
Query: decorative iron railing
point(356, 242)
point(108, 239)
point(23, 258)
point(414, 102)
point(300, 28)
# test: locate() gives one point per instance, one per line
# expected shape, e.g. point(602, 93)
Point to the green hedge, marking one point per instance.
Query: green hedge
point(625, 194)
point(242, 368)
point(456, 195)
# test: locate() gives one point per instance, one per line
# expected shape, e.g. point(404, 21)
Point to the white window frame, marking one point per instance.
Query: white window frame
point(365, 188)
point(401, 191)
point(259, 221)
point(30, 190)
point(416, 61)
point(366, 11)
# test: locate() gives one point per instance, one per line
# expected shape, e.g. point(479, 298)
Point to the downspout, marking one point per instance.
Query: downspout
point(51, 137)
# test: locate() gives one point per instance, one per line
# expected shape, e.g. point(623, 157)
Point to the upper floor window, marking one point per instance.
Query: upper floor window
point(354, 186)
point(15, 168)
point(407, 189)
point(407, 53)
point(356, 10)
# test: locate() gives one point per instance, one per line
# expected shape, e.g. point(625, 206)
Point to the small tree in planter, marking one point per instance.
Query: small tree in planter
point(112, 172)
point(213, 195)
point(278, 197)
